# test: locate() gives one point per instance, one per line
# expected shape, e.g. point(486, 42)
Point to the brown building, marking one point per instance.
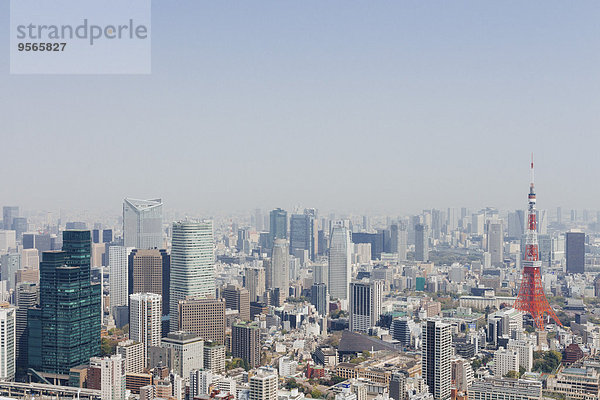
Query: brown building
point(245, 343)
point(257, 308)
point(204, 317)
point(149, 273)
point(572, 354)
point(237, 299)
point(134, 382)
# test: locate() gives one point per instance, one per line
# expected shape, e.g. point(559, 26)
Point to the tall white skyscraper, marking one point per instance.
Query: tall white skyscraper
point(145, 312)
point(8, 339)
point(263, 384)
point(365, 304)
point(119, 275)
point(142, 223)
point(435, 358)
point(192, 264)
point(112, 376)
point(280, 267)
point(340, 253)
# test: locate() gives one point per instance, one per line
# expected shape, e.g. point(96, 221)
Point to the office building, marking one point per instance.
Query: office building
point(237, 298)
point(10, 264)
point(27, 295)
point(278, 226)
point(399, 240)
point(525, 350)
point(575, 383)
point(494, 388)
point(575, 252)
point(8, 241)
point(495, 242)
point(188, 352)
point(118, 275)
point(505, 361)
point(30, 259)
point(340, 254)
point(9, 213)
point(477, 224)
point(112, 376)
point(280, 264)
point(435, 360)
point(142, 223)
point(8, 342)
point(320, 298)
point(263, 384)
point(421, 242)
point(462, 374)
point(20, 226)
point(397, 386)
point(255, 282)
point(192, 264)
point(516, 224)
point(214, 357)
point(400, 330)
point(303, 233)
point(204, 317)
point(245, 342)
point(149, 272)
point(200, 382)
point(365, 304)
point(133, 354)
point(145, 313)
point(64, 331)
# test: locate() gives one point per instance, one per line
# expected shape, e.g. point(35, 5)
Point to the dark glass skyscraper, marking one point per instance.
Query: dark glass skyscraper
point(65, 329)
point(278, 228)
point(575, 249)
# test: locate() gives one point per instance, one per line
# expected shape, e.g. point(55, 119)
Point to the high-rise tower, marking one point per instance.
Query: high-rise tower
point(531, 298)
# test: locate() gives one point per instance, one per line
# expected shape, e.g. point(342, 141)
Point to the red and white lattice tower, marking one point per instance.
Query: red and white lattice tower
point(531, 298)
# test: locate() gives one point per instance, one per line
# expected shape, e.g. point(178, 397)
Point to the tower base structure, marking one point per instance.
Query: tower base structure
point(532, 299)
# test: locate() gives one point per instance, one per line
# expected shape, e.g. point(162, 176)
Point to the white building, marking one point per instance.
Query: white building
point(8, 241)
point(200, 382)
point(365, 304)
point(280, 267)
point(188, 352)
point(505, 389)
point(263, 384)
point(112, 373)
point(145, 313)
point(505, 361)
point(133, 354)
point(142, 223)
point(462, 374)
point(118, 261)
point(8, 339)
point(525, 350)
point(340, 269)
point(287, 366)
point(192, 264)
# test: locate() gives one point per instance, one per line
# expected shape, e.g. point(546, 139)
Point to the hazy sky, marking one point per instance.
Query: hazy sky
point(391, 106)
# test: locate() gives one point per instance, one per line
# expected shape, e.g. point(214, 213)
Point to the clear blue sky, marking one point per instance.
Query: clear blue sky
point(391, 106)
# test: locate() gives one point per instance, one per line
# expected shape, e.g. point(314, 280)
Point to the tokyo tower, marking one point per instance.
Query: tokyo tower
point(531, 298)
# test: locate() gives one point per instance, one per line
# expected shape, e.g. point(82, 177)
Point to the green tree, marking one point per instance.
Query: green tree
point(315, 394)
point(512, 374)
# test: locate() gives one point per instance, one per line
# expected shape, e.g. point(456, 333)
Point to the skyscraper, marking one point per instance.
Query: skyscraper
point(575, 249)
point(280, 267)
point(340, 253)
point(192, 264)
point(145, 312)
point(204, 317)
point(26, 296)
point(237, 299)
point(149, 272)
point(8, 340)
point(320, 298)
point(64, 331)
point(399, 239)
point(365, 304)
point(112, 376)
point(421, 242)
point(303, 232)
point(495, 242)
point(142, 223)
point(255, 282)
point(245, 342)
point(8, 214)
point(118, 275)
point(188, 352)
point(435, 358)
point(278, 225)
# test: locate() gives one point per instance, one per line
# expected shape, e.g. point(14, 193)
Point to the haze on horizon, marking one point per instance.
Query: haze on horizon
point(396, 108)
